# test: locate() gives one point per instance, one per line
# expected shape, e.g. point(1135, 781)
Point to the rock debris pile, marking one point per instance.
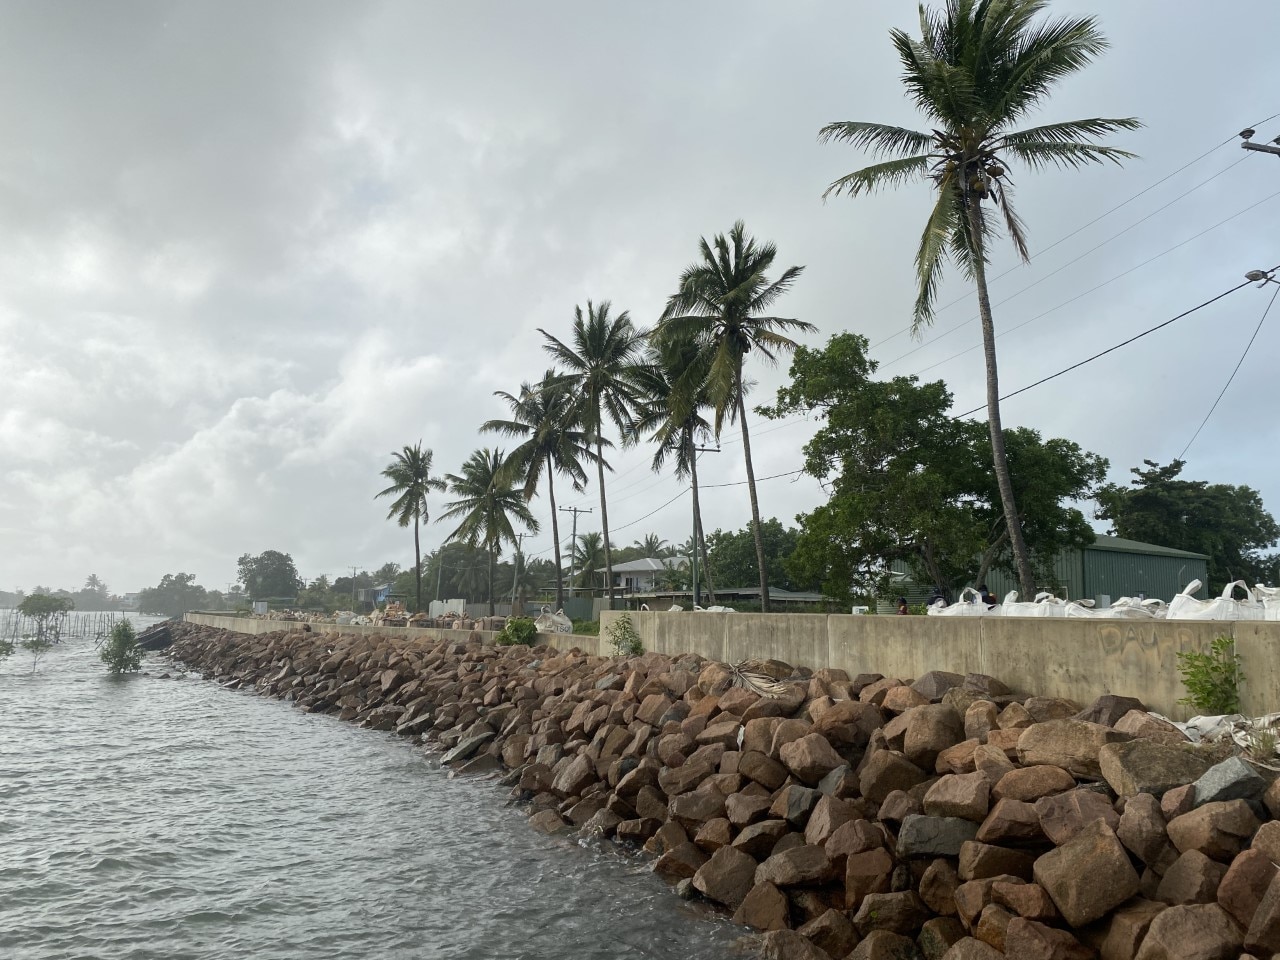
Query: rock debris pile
point(865, 817)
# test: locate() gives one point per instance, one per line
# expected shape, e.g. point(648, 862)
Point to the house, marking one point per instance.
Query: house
point(642, 576)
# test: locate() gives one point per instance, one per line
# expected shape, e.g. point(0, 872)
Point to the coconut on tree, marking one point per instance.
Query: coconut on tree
point(979, 69)
point(410, 474)
point(723, 305)
point(544, 418)
point(600, 364)
point(486, 503)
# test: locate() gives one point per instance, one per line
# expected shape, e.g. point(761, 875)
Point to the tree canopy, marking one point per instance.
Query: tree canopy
point(269, 574)
point(176, 594)
point(910, 483)
point(732, 556)
point(1226, 522)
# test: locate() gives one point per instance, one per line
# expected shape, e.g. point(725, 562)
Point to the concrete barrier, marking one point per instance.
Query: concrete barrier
point(1076, 658)
point(250, 625)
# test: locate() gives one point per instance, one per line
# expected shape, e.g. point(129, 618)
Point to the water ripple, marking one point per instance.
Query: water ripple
point(150, 819)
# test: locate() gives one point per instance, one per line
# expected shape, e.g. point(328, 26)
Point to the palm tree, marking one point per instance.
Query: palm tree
point(586, 555)
point(543, 417)
point(721, 305)
point(486, 504)
point(651, 545)
point(600, 369)
point(978, 69)
point(674, 417)
point(410, 474)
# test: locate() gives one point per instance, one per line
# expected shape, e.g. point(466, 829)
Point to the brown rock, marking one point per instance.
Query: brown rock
point(723, 732)
point(978, 861)
point(1198, 932)
point(1218, 830)
point(1043, 709)
point(828, 816)
point(897, 912)
point(714, 834)
point(1264, 929)
point(757, 734)
point(957, 759)
point(548, 821)
point(875, 691)
point(1011, 821)
point(1006, 740)
point(799, 866)
point(1014, 717)
point(764, 770)
point(683, 860)
point(794, 804)
point(652, 709)
point(938, 887)
point(1267, 839)
point(789, 945)
point(1271, 798)
point(959, 795)
point(727, 877)
point(1148, 766)
point(1073, 745)
point(901, 699)
point(1029, 784)
point(932, 729)
point(898, 806)
point(856, 836)
point(887, 771)
point(1029, 940)
point(1123, 931)
point(1140, 724)
point(1087, 876)
point(992, 763)
point(759, 839)
point(991, 925)
point(831, 932)
point(885, 945)
point(1142, 829)
point(1193, 878)
point(937, 936)
point(1109, 708)
point(810, 758)
point(971, 948)
point(849, 722)
point(764, 908)
point(866, 873)
point(1178, 801)
point(574, 776)
point(1245, 884)
point(1029, 900)
point(973, 896)
point(674, 781)
point(691, 810)
point(788, 731)
point(980, 719)
point(1063, 816)
point(746, 808)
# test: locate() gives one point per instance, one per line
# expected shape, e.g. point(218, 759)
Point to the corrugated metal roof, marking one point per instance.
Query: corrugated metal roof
point(1119, 544)
point(648, 565)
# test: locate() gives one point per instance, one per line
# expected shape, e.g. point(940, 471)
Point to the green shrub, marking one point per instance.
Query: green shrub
point(623, 637)
point(121, 652)
point(587, 628)
point(1212, 679)
point(518, 630)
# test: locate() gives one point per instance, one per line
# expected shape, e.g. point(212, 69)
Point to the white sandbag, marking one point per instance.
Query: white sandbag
point(1044, 605)
point(969, 605)
point(1226, 607)
point(1269, 597)
point(548, 622)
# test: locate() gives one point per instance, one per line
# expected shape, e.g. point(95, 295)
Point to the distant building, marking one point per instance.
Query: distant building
point(642, 576)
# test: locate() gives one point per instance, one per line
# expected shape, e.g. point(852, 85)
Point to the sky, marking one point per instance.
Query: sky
point(251, 249)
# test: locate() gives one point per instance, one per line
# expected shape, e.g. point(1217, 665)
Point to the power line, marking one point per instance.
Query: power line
point(1124, 343)
point(1094, 289)
point(1248, 346)
point(1101, 216)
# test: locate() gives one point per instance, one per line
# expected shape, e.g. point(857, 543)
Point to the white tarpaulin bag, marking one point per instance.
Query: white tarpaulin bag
point(964, 607)
point(1044, 605)
point(1269, 597)
point(549, 622)
point(1186, 607)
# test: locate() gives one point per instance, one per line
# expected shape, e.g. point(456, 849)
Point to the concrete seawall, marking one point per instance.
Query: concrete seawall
point(1079, 659)
point(255, 627)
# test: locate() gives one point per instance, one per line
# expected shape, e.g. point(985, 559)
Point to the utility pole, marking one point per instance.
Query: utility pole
point(1247, 134)
point(515, 581)
point(573, 539)
point(353, 589)
point(697, 520)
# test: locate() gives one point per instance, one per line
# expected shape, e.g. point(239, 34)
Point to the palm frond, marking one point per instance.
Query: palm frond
point(1039, 154)
point(891, 173)
point(879, 138)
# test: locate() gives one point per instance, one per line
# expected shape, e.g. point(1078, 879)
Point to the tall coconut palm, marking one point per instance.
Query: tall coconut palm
point(722, 305)
point(674, 418)
point(651, 545)
point(410, 474)
point(600, 367)
point(486, 504)
point(978, 70)
point(542, 416)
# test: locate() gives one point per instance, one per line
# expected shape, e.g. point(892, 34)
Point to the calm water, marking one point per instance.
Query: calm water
point(168, 818)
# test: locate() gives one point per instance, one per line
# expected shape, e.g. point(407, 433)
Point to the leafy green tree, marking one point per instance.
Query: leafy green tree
point(910, 483)
point(1228, 523)
point(411, 481)
point(978, 70)
point(47, 614)
point(734, 561)
point(486, 503)
point(174, 595)
point(722, 305)
point(545, 419)
point(269, 574)
point(121, 652)
point(600, 370)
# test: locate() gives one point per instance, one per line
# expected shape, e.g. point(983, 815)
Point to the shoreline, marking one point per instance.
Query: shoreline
point(863, 817)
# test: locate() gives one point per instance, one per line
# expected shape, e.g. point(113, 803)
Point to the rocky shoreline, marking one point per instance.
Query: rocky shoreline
point(865, 817)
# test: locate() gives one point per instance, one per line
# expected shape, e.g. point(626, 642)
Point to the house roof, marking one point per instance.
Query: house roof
point(1120, 545)
point(648, 565)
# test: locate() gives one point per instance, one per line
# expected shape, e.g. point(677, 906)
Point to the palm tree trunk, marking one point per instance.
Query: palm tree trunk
point(417, 564)
point(604, 522)
point(491, 553)
point(555, 535)
point(699, 546)
point(756, 532)
point(1026, 577)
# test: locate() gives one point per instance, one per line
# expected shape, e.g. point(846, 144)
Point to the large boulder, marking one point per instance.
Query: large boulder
point(966, 795)
point(1148, 766)
point(799, 866)
point(727, 877)
point(1088, 876)
point(1245, 884)
point(897, 912)
point(1029, 784)
point(810, 758)
point(886, 772)
point(1232, 779)
point(1218, 830)
point(1073, 745)
point(924, 836)
point(1197, 932)
point(930, 730)
point(789, 945)
point(764, 908)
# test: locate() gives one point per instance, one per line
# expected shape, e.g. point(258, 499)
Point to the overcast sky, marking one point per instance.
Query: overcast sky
point(250, 249)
